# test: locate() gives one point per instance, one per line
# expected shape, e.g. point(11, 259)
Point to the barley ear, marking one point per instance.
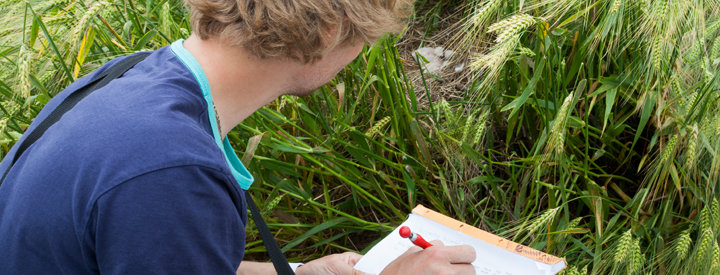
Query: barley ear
point(556, 140)
point(715, 51)
point(711, 29)
point(3, 125)
point(469, 122)
point(706, 219)
point(444, 107)
point(704, 245)
point(682, 245)
point(657, 54)
point(572, 270)
point(24, 72)
point(691, 150)
point(638, 259)
point(716, 258)
point(480, 129)
point(545, 218)
point(615, 6)
point(715, 213)
point(85, 19)
point(165, 19)
point(379, 125)
point(669, 149)
point(693, 53)
point(623, 249)
point(511, 27)
point(483, 13)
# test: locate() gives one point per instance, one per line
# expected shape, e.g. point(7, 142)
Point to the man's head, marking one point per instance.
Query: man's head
point(302, 30)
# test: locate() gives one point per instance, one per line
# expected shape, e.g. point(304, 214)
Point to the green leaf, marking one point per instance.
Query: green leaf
point(647, 110)
point(609, 102)
point(323, 226)
point(516, 104)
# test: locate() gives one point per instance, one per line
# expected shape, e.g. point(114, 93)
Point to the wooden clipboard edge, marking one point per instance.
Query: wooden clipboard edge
point(489, 237)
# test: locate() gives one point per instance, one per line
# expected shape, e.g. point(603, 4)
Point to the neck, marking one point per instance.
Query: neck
point(240, 82)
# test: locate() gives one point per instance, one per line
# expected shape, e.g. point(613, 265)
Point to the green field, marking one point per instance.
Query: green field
point(586, 129)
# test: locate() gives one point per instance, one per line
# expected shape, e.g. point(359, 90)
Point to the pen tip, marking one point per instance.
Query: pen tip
point(405, 232)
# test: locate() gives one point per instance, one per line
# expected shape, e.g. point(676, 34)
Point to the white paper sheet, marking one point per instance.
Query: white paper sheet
point(490, 258)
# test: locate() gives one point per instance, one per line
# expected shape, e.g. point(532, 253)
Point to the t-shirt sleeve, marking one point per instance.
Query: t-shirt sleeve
point(180, 220)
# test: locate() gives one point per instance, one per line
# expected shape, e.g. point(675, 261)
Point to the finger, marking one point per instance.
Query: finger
point(413, 249)
point(352, 257)
point(462, 269)
point(437, 243)
point(358, 272)
point(461, 254)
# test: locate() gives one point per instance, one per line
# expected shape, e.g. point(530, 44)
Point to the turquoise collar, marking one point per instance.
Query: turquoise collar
point(239, 172)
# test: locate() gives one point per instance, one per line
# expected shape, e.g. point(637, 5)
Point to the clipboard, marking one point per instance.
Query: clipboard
point(495, 255)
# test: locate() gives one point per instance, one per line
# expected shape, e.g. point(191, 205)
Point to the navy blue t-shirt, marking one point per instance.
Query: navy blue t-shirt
point(130, 181)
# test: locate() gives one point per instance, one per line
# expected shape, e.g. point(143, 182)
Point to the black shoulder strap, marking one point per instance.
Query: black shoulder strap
point(281, 264)
point(98, 82)
point(278, 259)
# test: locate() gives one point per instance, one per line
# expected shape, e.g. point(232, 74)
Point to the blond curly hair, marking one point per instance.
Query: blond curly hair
point(301, 30)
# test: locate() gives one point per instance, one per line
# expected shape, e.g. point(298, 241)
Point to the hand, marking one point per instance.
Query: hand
point(335, 264)
point(437, 259)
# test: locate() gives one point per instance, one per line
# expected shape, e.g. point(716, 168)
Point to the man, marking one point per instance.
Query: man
point(137, 178)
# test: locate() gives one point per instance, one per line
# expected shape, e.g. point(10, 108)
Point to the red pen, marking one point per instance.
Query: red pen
point(415, 238)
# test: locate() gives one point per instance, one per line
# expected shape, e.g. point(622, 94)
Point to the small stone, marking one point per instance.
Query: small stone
point(437, 58)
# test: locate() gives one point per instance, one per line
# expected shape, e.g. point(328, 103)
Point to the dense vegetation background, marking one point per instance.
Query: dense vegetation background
point(588, 129)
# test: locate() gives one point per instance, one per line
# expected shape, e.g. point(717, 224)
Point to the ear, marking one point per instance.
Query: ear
point(334, 35)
